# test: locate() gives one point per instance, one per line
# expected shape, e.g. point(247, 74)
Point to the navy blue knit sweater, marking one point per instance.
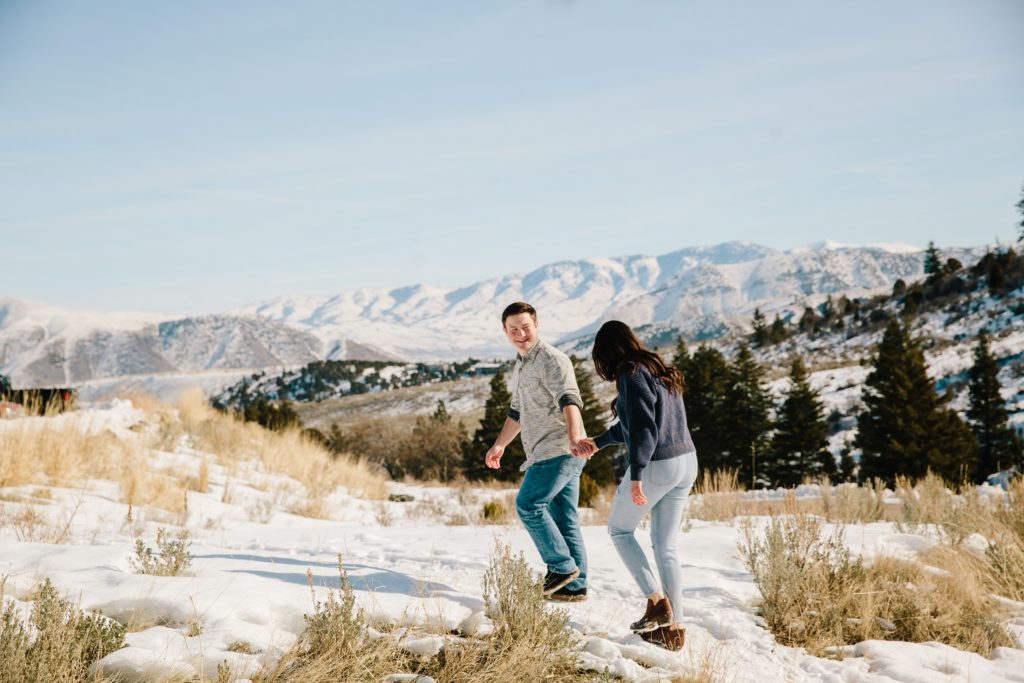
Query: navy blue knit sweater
point(652, 421)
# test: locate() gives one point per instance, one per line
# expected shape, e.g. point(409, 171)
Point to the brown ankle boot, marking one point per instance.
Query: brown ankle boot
point(658, 614)
point(669, 637)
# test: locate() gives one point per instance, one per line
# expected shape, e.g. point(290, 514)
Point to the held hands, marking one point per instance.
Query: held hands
point(493, 457)
point(636, 491)
point(584, 448)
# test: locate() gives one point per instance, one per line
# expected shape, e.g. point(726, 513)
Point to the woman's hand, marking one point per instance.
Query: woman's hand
point(584, 448)
point(636, 489)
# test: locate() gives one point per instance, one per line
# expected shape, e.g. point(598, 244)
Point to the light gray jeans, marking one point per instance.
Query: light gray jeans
point(667, 483)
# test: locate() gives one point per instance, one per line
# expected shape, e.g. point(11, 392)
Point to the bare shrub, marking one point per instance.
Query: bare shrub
point(172, 556)
point(530, 643)
point(382, 513)
point(32, 526)
point(816, 594)
point(261, 511)
point(57, 642)
point(494, 512)
point(589, 491)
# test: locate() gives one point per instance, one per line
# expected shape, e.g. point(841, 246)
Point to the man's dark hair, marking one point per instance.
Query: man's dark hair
point(517, 308)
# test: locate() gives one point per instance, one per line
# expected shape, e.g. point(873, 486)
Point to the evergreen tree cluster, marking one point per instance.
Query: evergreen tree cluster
point(906, 428)
point(320, 380)
point(947, 283)
point(729, 415)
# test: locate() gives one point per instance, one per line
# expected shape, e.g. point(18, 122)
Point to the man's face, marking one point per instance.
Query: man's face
point(521, 330)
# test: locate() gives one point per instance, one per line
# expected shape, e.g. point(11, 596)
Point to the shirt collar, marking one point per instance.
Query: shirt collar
point(532, 353)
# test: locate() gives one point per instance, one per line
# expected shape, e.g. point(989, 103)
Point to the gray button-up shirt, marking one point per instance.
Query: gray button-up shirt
point(543, 383)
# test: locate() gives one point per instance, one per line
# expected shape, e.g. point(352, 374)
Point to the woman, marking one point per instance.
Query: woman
point(662, 469)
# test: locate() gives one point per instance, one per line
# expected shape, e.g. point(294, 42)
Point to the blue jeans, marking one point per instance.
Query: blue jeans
point(547, 504)
point(667, 483)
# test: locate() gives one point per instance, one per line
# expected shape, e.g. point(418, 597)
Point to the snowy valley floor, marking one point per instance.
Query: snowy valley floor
point(244, 596)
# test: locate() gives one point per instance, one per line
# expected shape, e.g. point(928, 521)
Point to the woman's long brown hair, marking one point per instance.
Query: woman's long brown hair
point(617, 350)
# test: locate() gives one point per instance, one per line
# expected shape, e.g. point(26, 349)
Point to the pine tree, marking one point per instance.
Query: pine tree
point(953, 450)
point(847, 467)
point(745, 410)
point(436, 447)
point(440, 414)
point(799, 445)
point(904, 428)
point(932, 260)
point(681, 358)
point(778, 332)
point(999, 447)
point(495, 412)
point(705, 375)
point(760, 336)
point(600, 467)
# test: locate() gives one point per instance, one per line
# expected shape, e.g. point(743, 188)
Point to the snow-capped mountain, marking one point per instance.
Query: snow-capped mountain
point(697, 291)
point(43, 345)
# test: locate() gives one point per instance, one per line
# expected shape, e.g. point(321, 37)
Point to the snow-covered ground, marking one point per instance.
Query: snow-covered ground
point(244, 596)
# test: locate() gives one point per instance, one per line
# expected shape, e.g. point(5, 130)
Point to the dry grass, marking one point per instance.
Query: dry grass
point(530, 642)
point(856, 504)
point(287, 452)
point(42, 452)
point(707, 665)
point(66, 454)
point(719, 497)
point(53, 453)
point(32, 525)
point(817, 594)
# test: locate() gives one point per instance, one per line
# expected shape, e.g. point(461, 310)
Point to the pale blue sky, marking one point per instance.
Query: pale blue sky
point(192, 156)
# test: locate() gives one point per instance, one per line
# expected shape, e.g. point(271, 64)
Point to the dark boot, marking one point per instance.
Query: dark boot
point(658, 614)
point(553, 580)
point(669, 637)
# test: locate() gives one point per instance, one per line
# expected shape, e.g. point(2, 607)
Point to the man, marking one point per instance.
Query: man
point(546, 406)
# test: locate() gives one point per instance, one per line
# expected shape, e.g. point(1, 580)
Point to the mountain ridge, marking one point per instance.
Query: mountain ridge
point(696, 291)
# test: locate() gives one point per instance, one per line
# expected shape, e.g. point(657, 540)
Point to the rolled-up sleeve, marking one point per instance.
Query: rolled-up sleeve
point(560, 378)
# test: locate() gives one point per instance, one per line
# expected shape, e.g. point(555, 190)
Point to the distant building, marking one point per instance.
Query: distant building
point(481, 369)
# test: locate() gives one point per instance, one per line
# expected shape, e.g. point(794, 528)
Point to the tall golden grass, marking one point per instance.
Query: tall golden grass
point(38, 451)
point(64, 453)
point(817, 594)
point(288, 452)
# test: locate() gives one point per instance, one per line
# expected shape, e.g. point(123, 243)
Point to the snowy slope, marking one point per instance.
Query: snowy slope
point(411, 569)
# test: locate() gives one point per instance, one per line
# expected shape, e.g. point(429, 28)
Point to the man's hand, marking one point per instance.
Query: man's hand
point(584, 448)
point(493, 457)
point(636, 489)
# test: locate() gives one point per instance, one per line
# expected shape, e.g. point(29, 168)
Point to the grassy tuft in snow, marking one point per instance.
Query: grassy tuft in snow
point(57, 642)
point(817, 594)
point(530, 642)
point(172, 556)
